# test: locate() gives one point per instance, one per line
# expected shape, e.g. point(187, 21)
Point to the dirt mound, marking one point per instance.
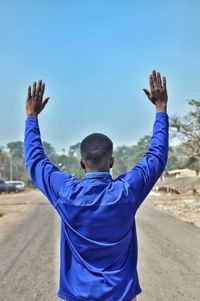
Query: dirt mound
point(185, 185)
point(180, 197)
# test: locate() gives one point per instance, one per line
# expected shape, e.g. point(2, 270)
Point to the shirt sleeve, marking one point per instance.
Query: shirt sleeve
point(44, 174)
point(146, 172)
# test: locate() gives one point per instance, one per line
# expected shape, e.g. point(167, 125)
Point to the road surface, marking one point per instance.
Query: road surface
point(169, 252)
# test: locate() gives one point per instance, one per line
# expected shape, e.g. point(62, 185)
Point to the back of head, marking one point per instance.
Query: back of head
point(96, 151)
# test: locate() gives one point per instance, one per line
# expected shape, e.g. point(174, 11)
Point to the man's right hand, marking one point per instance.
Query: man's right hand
point(158, 91)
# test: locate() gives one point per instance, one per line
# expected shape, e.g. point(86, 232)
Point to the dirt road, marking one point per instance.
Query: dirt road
point(169, 252)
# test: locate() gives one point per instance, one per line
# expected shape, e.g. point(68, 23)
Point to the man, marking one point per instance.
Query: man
point(98, 232)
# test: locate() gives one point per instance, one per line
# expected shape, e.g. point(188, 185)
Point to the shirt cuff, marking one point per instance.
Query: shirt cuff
point(32, 120)
point(164, 114)
point(32, 117)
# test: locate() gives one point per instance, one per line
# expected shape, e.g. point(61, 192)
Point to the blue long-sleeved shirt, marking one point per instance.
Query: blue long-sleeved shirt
point(98, 246)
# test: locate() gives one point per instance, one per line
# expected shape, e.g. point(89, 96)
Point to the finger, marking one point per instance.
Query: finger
point(151, 82)
point(29, 92)
point(152, 100)
point(159, 81)
point(42, 90)
point(39, 86)
point(34, 88)
point(147, 93)
point(154, 77)
point(45, 102)
point(164, 82)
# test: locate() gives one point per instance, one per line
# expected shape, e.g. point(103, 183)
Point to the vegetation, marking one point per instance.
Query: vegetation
point(12, 163)
point(187, 130)
point(186, 154)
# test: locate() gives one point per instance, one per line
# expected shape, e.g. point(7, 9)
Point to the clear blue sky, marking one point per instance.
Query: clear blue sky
point(95, 57)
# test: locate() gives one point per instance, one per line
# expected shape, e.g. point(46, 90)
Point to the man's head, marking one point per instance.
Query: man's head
point(96, 152)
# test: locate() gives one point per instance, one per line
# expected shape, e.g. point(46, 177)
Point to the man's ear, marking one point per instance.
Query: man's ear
point(112, 162)
point(82, 164)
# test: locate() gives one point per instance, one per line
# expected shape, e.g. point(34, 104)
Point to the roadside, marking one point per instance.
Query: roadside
point(179, 197)
point(14, 208)
point(29, 249)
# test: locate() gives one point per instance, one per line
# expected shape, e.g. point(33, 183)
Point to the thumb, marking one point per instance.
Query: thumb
point(45, 102)
point(147, 93)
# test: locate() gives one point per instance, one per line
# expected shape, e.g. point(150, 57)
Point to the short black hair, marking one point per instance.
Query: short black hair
point(96, 149)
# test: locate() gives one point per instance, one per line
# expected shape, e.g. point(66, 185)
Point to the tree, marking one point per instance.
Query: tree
point(123, 159)
point(187, 130)
point(4, 164)
point(16, 149)
point(15, 168)
point(142, 147)
point(127, 156)
point(74, 150)
point(194, 164)
point(12, 163)
point(49, 151)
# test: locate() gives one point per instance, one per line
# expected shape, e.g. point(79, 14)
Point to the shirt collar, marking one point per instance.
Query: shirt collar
point(97, 174)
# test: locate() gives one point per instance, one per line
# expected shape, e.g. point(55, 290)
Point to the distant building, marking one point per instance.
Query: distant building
point(178, 173)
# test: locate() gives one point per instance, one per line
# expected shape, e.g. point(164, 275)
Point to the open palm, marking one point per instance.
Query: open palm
point(158, 91)
point(34, 101)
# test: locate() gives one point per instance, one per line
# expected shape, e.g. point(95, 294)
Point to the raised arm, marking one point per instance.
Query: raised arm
point(44, 174)
point(145, 173)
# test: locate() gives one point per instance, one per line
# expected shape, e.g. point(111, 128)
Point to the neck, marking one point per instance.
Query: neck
point(96, 170)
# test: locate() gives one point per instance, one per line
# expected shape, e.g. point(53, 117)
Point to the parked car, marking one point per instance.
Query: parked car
point(7, 187)
point(2, 185)
point(11, 187)
point(20, 185)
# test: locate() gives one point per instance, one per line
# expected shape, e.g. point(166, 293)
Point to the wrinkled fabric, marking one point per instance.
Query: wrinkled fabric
point(98, 245)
